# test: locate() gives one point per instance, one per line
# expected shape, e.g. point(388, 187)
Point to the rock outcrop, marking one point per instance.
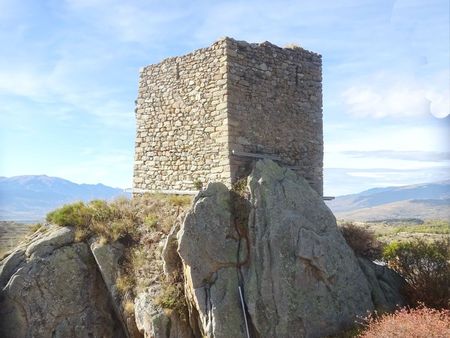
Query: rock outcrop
point(208, 247)
point(265, 262)
point(52, 288)
point(298, 276)
point(385, 285)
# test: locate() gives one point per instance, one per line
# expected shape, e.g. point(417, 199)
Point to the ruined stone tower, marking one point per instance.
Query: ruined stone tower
point(206, 116)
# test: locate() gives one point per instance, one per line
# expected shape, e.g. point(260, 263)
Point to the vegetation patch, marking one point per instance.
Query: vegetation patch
point(172, 297)
point(429, 227)
point(198, 184)
point(421, 322)
point(121, 219)
point(38, 227)
point(425, 267)
point(362, 241)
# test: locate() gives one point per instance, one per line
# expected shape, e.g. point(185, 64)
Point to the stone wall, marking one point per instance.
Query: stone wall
point(194, 111)
point(182, 122)
point(275, 106)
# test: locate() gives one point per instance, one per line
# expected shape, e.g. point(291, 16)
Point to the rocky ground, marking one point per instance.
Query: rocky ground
point(267, 258)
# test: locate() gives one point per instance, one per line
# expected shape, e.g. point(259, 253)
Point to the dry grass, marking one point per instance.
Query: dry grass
point(125, 283)
point(171, 296)
point(128, 308)
point(122, 218)
point(37, 227)
point(419, 323)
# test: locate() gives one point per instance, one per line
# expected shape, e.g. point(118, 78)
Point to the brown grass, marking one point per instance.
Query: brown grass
point(418, 323)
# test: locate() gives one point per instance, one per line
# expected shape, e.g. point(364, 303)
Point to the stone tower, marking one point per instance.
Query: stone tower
point(206, 116)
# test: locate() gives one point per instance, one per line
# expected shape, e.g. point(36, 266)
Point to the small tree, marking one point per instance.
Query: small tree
point(425, 267)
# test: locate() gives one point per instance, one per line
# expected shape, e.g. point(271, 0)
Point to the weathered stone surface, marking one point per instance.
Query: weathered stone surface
point(107, 256)
point(10, 264)
point(53, 240)
point(55, 290)
point(171, 260)
point(146, 313)
point(301, 278)
point(192, 110)
point(385, 285)
point(153, 322)
point(208, 247)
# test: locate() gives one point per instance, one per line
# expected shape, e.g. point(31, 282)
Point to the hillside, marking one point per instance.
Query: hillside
point(424, 201)
point(422, 209)
point(29, 198)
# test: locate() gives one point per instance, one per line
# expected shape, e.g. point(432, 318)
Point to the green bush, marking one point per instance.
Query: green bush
point(362, 241)
point(425, 267)
point(76, 214)
point(111, 221)
point(198, 184)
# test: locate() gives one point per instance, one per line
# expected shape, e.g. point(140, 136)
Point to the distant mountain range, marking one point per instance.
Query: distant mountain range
point(424, 201)
point(30, 198)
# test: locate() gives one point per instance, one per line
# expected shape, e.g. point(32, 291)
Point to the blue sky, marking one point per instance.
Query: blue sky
point(69, 71)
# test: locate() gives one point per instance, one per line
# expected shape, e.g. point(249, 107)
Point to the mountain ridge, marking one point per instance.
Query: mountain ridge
point(425, 200)
point(31, 197)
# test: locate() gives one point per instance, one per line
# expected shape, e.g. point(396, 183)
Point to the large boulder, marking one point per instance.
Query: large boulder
point(386, 285)
point(303, 279)
point(52, 288)
point(297, 275)
point(208, 247)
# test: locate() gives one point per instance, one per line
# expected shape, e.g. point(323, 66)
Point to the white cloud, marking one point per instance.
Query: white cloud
point(393, 95)
point(387, 95)
point(68, 87)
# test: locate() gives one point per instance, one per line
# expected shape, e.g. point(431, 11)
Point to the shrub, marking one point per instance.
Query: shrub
point(425, 267)
point(125, 283)
point(171, 296)
point(76, 214)
point(81, 234)
point(198, 184)
point(151, 221)
point(421, 322)
point(362, 241)
point(111, 221)
point(128, 307)
point(180, 200)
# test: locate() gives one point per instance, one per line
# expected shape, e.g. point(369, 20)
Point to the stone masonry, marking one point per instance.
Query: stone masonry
point(206, 116)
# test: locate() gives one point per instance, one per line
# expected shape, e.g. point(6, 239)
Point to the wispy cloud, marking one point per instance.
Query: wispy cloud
point(427, 156)
point(140, 22)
